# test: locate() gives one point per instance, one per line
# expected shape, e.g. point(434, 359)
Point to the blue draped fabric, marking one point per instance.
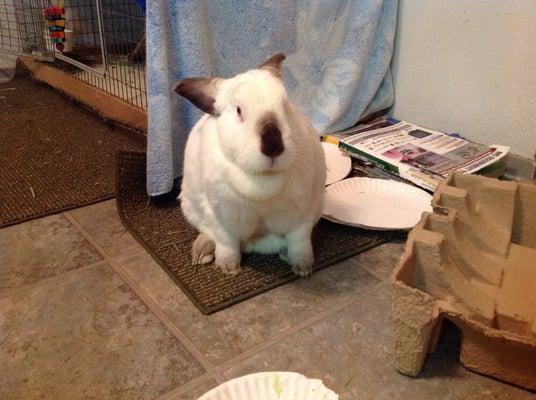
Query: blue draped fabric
point(337, 67)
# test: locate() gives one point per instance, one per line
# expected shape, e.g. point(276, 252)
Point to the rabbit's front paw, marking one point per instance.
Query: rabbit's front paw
point(230, 268)
point(300, 252)
point(202, 250)
point(303, 267)
point(228, 262)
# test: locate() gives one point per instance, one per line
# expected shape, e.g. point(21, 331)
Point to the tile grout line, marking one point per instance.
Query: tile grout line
point(122, 257)
point(373, 273)
point(87, 236)
point(164, 318)
point(218, 370)
point(151, 304)
point(371, 270)
point(51, 279)
point(300, 326)
point(174, 393)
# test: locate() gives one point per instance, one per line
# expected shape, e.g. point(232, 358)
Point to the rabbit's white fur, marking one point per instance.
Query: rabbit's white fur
point(237, 196)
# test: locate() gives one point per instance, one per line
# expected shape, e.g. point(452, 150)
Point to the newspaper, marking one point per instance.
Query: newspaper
point(417, 154)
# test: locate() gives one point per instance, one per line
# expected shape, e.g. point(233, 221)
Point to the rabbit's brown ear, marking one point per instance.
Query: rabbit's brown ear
point(274, 64)
point(201, 92)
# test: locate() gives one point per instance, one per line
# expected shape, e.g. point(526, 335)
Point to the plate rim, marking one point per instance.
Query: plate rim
point(389, 182)
point(262, 374)
point(345, 156)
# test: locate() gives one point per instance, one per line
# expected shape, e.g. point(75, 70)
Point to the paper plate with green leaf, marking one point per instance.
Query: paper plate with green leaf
point(271, 386)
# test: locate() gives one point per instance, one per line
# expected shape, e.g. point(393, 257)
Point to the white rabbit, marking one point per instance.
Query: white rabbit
point(254, 170)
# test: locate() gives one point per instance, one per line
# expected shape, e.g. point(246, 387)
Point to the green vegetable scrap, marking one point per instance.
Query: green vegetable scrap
point(278, 386)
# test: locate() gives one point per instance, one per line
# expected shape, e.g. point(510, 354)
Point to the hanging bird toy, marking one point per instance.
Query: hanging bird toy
point(55, 15)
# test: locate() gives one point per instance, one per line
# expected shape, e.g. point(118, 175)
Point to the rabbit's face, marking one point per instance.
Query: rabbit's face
point(251, 111)
point(253, 125)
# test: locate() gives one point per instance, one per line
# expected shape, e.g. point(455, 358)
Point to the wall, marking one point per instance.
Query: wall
point(469, 67)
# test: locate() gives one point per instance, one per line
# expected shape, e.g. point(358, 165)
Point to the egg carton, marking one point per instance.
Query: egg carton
point(472, 261)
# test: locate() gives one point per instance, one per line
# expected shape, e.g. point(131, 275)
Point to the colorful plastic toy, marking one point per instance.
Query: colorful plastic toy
point(55, 15)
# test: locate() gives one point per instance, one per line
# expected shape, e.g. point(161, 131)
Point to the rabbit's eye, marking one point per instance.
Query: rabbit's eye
point(239, 111)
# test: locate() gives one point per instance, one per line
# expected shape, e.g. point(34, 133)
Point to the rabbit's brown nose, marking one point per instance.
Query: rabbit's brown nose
point(271, 140)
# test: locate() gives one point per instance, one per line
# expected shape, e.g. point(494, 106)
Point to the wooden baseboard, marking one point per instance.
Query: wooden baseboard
point(109, 106)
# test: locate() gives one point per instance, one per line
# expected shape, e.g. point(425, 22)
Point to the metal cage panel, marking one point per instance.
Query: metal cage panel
point(107, 48)
point(23, 29)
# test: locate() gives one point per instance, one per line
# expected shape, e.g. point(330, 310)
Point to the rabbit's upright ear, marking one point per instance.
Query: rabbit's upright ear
point(273, 65)
point(201, 92)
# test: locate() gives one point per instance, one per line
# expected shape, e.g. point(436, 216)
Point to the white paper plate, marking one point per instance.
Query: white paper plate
point(338, 164)
point(271, 386)
point(376, 203)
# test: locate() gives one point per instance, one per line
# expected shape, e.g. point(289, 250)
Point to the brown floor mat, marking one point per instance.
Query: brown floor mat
point(54, 154)
point(162, 230)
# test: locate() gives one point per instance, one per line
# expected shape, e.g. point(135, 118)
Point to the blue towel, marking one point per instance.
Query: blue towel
point(141, 4)
point(337, 67)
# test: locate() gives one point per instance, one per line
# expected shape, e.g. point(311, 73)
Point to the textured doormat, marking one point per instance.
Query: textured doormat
point(165, 234)
point(54, 154)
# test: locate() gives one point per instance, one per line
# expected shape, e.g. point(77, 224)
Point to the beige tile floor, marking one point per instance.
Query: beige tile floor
point(85, 313)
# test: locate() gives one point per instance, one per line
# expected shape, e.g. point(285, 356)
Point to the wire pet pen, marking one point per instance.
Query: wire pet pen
point(104, 47)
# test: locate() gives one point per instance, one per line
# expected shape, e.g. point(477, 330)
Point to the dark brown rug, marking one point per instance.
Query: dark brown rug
point(54, 154)
point(165, 234)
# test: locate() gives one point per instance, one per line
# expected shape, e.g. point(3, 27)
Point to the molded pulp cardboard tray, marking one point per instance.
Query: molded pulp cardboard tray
point(472, 261)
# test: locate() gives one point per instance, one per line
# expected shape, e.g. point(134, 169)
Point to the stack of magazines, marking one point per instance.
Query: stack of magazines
point(392, 149)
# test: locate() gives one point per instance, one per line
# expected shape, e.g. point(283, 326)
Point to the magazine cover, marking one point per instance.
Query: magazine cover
point(420, 155)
